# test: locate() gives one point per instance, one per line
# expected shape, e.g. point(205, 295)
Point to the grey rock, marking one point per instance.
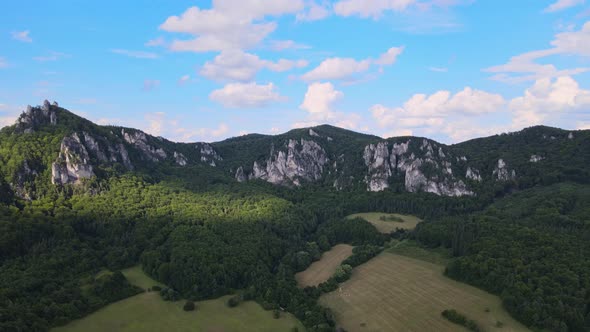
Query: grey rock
point(535, 158)
point(502, 173)
point(73, 162)
point(379, 170)
point(240, 175)
point(208, 154)
point(473, 174)
point(140, 141)
point(180, 159)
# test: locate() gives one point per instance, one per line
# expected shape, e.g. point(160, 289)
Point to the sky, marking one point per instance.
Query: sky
point(192, 71)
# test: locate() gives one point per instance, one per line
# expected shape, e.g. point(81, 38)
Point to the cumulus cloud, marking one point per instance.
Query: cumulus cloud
point(372, 9)
point(319, 103)
point(563, 4)
point(184, 79)
point(315, 11)
point(160, 124)
point(524, 67)
point(22, 36)
point(548, 99)
point(348, 68)
point(246, 95)
point(3, 63)
point(228, 24)
point(136, 54)
point(472, 113)
point(236, 65)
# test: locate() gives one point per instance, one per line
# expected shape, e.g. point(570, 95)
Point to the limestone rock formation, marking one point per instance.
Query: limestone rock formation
point(208, 154)
point(302, 161)
point(180, 159)
point(140, 141)
point(502, 173)
point(73, 163)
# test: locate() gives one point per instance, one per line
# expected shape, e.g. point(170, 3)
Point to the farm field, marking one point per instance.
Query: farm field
point(148, 312)
point(388, 226)
point(324, 268)
point(398, 293)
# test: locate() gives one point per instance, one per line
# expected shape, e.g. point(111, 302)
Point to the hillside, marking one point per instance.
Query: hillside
point(50, 145)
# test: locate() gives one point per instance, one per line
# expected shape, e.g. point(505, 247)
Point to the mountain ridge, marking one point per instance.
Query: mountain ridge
point(326, 155)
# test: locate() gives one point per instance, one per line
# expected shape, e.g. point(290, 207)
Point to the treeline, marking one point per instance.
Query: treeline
point(531, 249)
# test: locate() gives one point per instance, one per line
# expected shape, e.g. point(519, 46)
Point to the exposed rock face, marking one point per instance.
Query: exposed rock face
point(502, 173)
point(140, 141)
point(570, 136)
point(313, 133)
point(304, 160)
point(382, 164)
point(93, 146)
point(73, 163)
point(180, 159)
point(473, 174)
point(208, 154)
point(35, 117)
point(240, 175)
point(379, 169)
point(25, 173)
point(535, 159)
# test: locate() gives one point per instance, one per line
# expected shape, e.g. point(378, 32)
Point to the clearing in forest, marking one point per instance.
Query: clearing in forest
point(399, 293)
point(148, 312)
point(388, 222)
point(323, 269)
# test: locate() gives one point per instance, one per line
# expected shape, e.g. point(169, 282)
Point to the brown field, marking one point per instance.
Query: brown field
point(387, 227)
point(398, 293)
point(323, 269)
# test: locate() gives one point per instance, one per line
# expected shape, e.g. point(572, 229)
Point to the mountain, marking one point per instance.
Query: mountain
point(49, 144)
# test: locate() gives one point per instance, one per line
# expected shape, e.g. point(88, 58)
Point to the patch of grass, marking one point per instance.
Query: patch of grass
point(137, 277)
point(398, 293)
point(148, 312)
point(388, 222)
point(323, 269)
point(409, 248)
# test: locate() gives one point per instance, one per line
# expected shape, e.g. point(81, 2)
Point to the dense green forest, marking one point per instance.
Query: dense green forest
point(193, 227)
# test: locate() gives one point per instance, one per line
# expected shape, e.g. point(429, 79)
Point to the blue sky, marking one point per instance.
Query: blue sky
point(208, 70)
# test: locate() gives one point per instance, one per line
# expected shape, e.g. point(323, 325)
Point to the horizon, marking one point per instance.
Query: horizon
point(188, 72)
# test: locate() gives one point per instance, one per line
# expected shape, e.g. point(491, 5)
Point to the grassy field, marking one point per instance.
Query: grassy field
point(323, 269)
point(148, 312)
point(412, 249)
point(397, 293)
point(388, 226)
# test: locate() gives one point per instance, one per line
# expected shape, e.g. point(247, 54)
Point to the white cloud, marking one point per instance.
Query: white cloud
point(160, 41)
point(583, 126)
point(372, 9)
point(22, 36)
point(473, 113)
point(319, 102)
point(281, 45)
point(524, 67)
point(149, 85)
point(136, 54)
point(563, 4)
point(228, 24)
point(3, 63)
point(184, 79)
point(348, 68)
point(236, 65)
point(314, 11)
point(320, 98)
point(246, 95)
point(52, 56)
point(548, 99)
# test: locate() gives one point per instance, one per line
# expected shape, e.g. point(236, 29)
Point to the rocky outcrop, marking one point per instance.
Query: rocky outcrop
point(312, 133)
point(473, 174)
point(180, 159)
point(140, 141)
point(73, 162)
point(240, 175)
point(376, 159)
point(302, 161)
point(34, 117)
point(208, 154)
point(502, 173)
point(535, 158)
point(382, 164)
